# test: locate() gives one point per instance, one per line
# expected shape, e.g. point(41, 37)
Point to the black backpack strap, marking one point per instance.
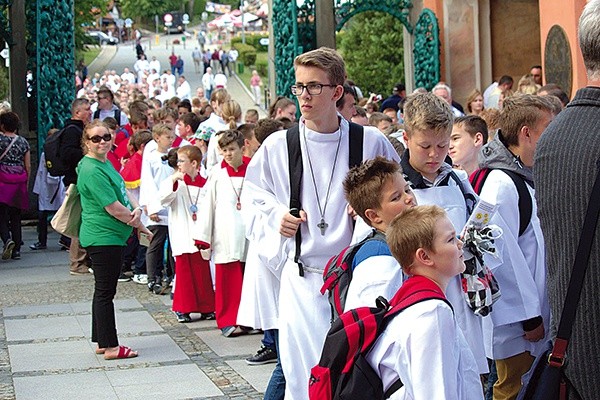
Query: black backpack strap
point(97, 114)
point(525, 200)
point(393, 389)
point(470, 198)
point(356, 144)
point(295, 176)
point(118, 116)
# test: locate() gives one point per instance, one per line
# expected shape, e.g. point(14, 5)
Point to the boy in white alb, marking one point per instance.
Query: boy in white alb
point(377, 192)
point(423, 345)
point(182, 194)
point(221, 228)
point(155, 169)
point(324, 136)
point(428, 125)
point(517, 328)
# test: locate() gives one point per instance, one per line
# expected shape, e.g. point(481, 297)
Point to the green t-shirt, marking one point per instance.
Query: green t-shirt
point(99, 185)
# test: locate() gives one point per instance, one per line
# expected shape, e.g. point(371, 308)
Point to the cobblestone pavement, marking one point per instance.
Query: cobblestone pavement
point(45, 348)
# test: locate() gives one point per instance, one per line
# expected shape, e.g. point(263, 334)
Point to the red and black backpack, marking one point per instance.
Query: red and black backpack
point(343, 371)
point(338, 274)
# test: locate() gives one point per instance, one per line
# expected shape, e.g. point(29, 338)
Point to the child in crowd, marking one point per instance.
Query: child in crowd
point(377, 192)
point(182, 193)
point(51, 193)
point(132, 173)
point(469, 134)
point(423, 346)
point(250, 142)
point(222, 229)
point(251, 116)
point(428, 125)
point(259, 303)
point(187, 125)
point(231, 114)
point(380, 121)
point(155, 169)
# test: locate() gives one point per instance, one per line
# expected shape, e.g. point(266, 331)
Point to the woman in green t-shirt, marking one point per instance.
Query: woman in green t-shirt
point(107, 220)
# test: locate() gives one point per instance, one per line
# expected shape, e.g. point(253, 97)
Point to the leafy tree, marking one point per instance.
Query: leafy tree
point(85, 15)
point(146, 9)
point(372, 47)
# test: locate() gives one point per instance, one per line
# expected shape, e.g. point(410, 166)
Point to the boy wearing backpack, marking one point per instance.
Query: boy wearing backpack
point(423, 345)
point(322, 219)
point(517, 329)
point(377, 192)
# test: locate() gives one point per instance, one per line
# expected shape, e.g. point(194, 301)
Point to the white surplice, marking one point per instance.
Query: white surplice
point(520, 270)
point(303, 312)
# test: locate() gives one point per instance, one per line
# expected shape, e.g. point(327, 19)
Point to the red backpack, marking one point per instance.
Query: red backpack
point(343, 371)
point(338, 274)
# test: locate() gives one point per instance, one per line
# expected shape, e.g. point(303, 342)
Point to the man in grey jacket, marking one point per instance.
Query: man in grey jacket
point(566, 164)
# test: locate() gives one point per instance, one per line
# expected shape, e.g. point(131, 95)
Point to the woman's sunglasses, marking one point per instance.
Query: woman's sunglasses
point(107, 137)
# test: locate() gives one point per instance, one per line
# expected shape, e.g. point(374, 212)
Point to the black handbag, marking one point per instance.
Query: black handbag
point(548, 380)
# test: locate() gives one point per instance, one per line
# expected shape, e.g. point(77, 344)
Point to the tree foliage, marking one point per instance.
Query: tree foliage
point(146, 9)
point(85, 16)
point(372, 47)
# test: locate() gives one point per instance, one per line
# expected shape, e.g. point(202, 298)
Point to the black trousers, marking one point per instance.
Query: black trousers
point(155, 254)
point(106, 262)
point(10, 225)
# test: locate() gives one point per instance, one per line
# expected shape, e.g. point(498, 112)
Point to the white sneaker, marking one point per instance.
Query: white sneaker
point(142, 279)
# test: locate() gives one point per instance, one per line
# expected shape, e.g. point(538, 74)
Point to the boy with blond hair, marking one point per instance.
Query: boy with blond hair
point(377, 192)
point(423, 345)
point(428, 125)
point(324, 223)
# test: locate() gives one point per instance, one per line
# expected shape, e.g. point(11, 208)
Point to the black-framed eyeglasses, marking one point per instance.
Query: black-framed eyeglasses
point(107, 137)
point(312, 88)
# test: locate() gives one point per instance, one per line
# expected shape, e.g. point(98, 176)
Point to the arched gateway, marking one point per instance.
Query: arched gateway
point(294, 29)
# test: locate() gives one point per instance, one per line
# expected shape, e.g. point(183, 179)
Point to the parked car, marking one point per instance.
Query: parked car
point(102, 38)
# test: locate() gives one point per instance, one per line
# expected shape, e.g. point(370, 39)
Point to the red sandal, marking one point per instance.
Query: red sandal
point(124, 352)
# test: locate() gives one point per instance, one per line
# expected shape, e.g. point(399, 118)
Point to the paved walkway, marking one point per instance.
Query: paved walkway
point(123, 55)
point(46, 352)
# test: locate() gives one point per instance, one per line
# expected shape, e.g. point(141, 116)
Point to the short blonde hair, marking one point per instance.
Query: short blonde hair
point(427, 112)
point(327, 60)
point(160, 130)
point(412, 229)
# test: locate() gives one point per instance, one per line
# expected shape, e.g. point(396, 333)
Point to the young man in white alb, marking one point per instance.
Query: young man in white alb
point(326, 227)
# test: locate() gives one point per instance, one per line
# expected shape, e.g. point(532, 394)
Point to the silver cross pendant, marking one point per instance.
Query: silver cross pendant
point(322, 226)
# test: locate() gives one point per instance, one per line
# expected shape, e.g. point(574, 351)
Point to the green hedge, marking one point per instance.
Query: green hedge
point(262, 67)
point(252, 39)
point(247, 53)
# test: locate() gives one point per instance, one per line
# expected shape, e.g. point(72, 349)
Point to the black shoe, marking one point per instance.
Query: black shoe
point(159, 288)
point(16, 255)
point(263, 356)
point(208, 316)
point(37, 246)
point(124, 278)
point(64, 245)
point(151, 286)
point(183, 317)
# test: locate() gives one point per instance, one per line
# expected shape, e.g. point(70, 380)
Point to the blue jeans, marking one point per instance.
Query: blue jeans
point(269, 339)
point(492, 378)
point(276, 388)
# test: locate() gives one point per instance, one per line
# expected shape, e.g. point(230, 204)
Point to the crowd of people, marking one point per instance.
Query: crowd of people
point(250, 211)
